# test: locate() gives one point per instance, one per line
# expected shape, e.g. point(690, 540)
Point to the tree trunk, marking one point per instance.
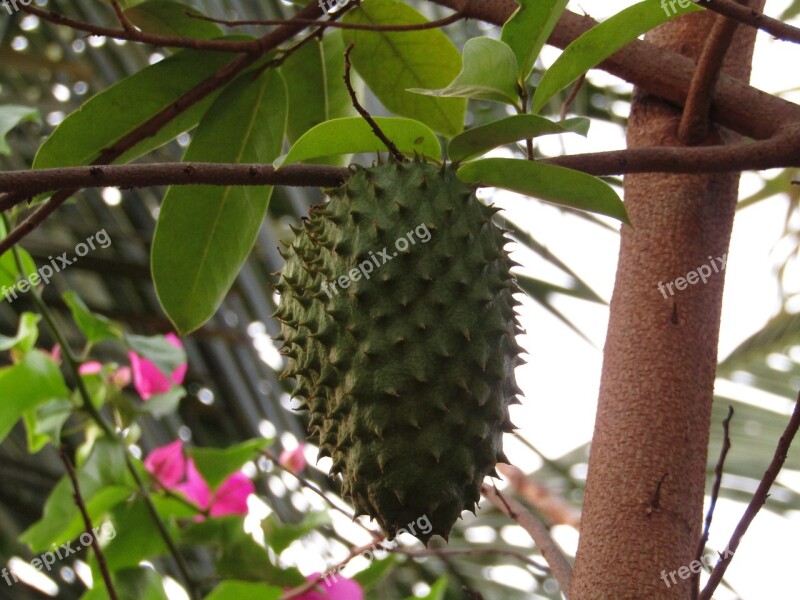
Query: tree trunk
point(647, 470)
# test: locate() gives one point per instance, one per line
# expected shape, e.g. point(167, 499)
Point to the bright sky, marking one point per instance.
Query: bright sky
point(562, 378)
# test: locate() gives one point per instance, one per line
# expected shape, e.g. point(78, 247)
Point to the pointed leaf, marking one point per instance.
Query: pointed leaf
point(205, 233)
point(110, 115)
point(547, 182)
point(216, 464)
point(528, 29)
point(600, 42)
point(489, 73)
point(279, 535)
point(96, 328)
point(392, 62)
point(475, 142)
point(353, 134)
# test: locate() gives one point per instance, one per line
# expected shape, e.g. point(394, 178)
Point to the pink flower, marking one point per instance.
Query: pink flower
point(167, 464)
point(174, 471)
point(55, 354)
point(148, 378)
point(121, 377)
point(293, 460)
point(334, 587)
point(90, 368)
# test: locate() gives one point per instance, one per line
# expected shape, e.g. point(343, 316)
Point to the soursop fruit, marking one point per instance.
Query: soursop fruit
point(398, 320)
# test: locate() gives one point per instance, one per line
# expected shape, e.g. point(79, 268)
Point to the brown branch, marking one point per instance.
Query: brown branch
point(552, 507)
point(363, 111)
point(783, 151)
point(665, 74)
point(559, 566)
point(756, 503)
point(718, 471)
point(122, 17)
point(694, 126)
point(753, 18)
point(87, 522)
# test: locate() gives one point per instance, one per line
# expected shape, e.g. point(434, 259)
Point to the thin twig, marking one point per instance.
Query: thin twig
point(559, 565)
point(718, 471)
point(477, 551)
point(753, 18)
point(758, 501)
point(363, 112)
point(122, 17)
point(573, 93)
point(694, 126)
point(87, 522)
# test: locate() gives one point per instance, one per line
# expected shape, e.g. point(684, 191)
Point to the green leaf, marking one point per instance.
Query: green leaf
point(44, 422)
point(600, 42)
point(216, 464)
point(9, 271)
point(392, 62)
point(547, 182)
point(158, 350)
point(353, 134)
point(475, 142)
point(166, 403)
point(205, 233)
point(238, 555)
point(164, 17)
point(136, 540)
point(96, 328)
point(104, 481)
point(315, 86)
point(280, 535)
point(244, 590)
point(489, 73)
point(113, 113)
point(27, 334)
point(528, 29)
point(29, 383)
point(140, 583)
point(376, 571)
point(10, 116)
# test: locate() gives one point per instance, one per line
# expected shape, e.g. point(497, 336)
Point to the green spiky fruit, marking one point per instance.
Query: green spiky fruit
point(398, 321)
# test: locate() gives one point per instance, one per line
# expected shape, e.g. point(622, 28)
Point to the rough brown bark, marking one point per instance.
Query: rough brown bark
point(647, 469)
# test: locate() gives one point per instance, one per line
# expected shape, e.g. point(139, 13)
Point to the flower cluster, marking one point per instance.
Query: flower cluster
point(174, 471)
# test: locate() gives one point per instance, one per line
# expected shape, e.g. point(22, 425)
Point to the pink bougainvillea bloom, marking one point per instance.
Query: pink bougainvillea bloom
point(334, 587)
point(231, 497)
point(167, 464)
point(55, 353)
point(148, 378)
point(90, 368)
point(174, 471)
point(121, 377)
point(195, 487)
point(293, 460)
